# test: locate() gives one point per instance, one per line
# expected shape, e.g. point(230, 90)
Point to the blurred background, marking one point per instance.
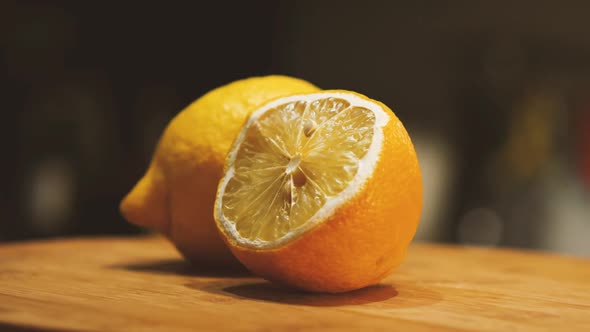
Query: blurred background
point(496, 96)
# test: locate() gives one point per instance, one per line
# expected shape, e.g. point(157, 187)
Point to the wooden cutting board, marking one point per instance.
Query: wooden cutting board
point(141, 284)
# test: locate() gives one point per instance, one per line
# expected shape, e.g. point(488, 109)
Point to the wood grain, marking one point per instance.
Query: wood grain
point(141, 284)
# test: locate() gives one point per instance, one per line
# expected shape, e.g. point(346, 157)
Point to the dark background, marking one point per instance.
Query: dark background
point(496, 96)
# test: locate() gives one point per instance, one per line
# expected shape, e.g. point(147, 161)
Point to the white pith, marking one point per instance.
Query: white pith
point(366, 167)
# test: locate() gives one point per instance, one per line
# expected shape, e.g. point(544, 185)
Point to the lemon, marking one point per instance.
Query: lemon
point(176, 194)
point(321, 191)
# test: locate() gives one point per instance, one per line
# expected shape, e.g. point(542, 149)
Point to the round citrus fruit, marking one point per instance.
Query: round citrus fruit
point(321, 191)
point(177, 193)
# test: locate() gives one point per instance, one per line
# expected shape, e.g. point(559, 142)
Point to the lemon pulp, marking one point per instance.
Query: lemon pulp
point(293, 159)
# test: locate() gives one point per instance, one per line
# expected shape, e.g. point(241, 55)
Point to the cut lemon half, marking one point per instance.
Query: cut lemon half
point(306, 163)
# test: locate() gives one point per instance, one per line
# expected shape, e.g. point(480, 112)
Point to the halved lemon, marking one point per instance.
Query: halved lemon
point(321, 191)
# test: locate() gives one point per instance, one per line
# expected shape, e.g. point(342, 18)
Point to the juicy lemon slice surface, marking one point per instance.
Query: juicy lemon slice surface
point(295, 162)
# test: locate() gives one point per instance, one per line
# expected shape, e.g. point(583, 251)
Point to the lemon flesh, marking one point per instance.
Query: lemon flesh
point(292, 160)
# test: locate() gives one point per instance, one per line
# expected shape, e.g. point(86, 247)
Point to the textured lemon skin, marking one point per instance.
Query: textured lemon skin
point(364, 240)
point(176, 195)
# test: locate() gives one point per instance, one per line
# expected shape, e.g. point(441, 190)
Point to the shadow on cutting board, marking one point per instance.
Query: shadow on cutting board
point(241, 284)
point(411, 296)
point(182, 267)
point(8, 327)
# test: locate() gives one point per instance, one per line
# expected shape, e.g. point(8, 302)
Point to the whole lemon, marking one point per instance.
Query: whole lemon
point(177, 193)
